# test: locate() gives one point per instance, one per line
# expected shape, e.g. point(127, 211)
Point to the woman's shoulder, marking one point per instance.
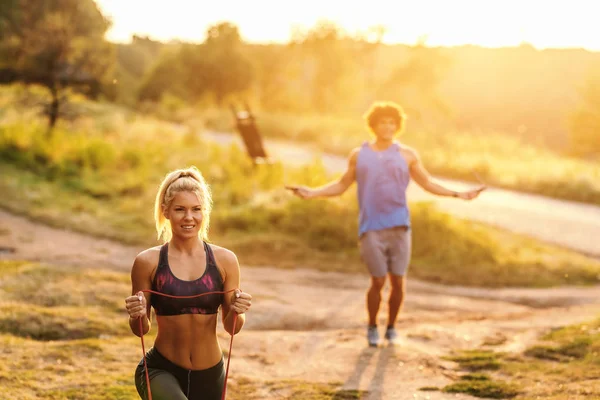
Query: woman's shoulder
point(148, 257)
point(223, 256)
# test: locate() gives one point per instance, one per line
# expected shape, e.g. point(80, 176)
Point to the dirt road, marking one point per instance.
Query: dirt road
point(569, 224)
point(310, 326)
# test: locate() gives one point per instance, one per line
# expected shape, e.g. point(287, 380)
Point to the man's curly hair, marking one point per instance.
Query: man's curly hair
point(382, 109)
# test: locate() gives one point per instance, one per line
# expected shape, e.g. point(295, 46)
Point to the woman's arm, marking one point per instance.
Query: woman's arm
point(237, 302)
point(138, 304)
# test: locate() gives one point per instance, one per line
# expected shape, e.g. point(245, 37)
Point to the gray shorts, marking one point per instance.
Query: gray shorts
point(386, 251)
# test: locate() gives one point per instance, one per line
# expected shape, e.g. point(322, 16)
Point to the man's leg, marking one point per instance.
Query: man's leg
point(396, 299)
point(372, 252)
point(374, 298)
point(400, 246)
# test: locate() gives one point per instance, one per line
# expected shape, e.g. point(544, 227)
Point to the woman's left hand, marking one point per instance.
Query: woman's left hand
point(240, 301)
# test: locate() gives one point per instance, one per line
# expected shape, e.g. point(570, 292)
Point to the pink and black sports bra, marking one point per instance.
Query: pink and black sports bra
point(166, 282)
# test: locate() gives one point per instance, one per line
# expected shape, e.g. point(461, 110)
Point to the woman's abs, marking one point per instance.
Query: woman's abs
point(189, 341)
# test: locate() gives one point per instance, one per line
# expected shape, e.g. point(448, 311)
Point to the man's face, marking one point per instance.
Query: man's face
point(386, 128)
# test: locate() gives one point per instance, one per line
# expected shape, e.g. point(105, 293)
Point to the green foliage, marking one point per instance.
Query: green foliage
point(100, 175)
point(478, 384)
point(57, 44)
point(323, 47)
point(133, 61)
point(485, 389)
point(293, 389)
point(563, 364)
point(418, 79)
point(65, 39)
point(217, 67)
point(499, 159)
point(159, 80)
point(570, 344)
point(476, 360)
point(575, 349)
point(585, 122)
point(55, 324)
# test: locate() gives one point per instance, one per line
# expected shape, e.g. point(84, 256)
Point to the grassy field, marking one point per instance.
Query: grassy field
point(270, 225)
point(498, 159)
point(564, 364)
point(63, 338)
point(99, 175)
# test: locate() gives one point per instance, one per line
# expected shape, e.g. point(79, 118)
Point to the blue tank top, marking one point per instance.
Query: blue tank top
point(382, 178)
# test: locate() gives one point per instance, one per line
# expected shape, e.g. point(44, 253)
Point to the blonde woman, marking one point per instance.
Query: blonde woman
point(186, 361)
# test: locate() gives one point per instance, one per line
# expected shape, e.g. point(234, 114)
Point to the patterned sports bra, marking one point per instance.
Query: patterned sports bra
point(166, 282)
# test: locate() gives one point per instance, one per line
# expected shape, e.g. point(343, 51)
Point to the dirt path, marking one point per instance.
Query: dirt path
point(566, 223)
point(308, 325)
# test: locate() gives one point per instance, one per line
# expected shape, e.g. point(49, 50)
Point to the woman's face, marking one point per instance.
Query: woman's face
point(185, 215)
point(386, 128)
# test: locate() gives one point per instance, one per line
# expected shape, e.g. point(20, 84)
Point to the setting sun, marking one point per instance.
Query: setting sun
point(543, 24)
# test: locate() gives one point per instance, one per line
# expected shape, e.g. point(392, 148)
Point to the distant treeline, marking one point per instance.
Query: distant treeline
point(549, 97)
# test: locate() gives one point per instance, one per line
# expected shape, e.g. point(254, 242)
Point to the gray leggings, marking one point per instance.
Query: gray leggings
point(170, 381)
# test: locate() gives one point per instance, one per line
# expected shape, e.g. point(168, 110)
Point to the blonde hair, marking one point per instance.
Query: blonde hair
point(182, 180)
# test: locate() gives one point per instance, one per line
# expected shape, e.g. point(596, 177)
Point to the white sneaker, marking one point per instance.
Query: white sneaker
point(391, 334)
point(373, 336)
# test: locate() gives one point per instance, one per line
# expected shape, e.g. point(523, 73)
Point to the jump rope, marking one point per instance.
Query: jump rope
point(235, 315)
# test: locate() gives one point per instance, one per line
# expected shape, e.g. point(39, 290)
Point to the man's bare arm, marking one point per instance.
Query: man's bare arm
point(422, 177)
point(335, 188)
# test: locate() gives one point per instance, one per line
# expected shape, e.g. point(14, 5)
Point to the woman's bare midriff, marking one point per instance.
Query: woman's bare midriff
point(189, 340)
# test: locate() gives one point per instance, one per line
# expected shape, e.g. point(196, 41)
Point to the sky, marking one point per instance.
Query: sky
point(488, 23)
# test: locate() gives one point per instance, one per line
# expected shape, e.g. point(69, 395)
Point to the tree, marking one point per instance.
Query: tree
point(585, 122)
point(189, 71)
point(329, 60)
point(57, 44)
point(133, 61)
point(418, 80)
point(275, 73)
point(228, 69)
point(166, 76)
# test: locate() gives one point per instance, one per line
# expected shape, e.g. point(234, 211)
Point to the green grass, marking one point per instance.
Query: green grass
point(500, 160)
point(488, 389)
point(79, 346)
point(63, 337)
point(280, 232)
point(476, 360)
point(565, 364)
point(101, 178)
point(95, 355)
point(294, 389)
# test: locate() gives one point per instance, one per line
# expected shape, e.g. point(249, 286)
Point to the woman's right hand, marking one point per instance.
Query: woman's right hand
point(136, 305)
